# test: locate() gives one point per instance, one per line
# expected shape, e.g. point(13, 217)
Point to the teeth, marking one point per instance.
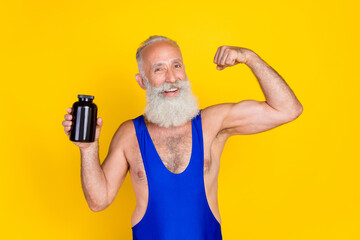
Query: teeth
point(171, 90)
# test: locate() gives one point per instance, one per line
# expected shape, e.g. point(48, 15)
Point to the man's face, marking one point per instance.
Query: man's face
point(162, 62)
point(170, 101)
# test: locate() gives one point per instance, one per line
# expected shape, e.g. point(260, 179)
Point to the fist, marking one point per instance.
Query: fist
point(227, 56)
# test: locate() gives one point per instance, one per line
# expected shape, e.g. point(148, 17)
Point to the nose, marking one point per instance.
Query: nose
point(171, 77)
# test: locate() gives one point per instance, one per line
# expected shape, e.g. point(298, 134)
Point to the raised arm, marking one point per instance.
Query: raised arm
point(250, 116)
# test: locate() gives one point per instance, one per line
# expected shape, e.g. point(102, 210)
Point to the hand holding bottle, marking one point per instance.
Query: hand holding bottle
point(67, 123)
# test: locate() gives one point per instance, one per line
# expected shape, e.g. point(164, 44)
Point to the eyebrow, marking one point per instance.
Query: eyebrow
point(162, 63)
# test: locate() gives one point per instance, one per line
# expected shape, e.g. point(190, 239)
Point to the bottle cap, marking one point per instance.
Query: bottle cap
point(85, 98)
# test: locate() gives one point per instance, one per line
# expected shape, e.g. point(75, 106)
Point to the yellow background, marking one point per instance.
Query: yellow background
point(298, 181)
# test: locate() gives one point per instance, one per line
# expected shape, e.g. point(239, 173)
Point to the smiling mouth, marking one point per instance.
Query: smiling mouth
point(171, 92)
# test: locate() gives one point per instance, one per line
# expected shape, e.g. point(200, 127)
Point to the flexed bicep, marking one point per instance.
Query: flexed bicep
point(250, 117)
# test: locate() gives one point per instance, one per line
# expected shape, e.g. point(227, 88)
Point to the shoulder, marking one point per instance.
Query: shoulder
point(215, 112)
point(124, 134)
point(213, 118)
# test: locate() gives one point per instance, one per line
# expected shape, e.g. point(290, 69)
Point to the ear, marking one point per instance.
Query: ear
point(140, 81)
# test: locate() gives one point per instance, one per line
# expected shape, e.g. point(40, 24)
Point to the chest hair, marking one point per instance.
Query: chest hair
point(174, 151)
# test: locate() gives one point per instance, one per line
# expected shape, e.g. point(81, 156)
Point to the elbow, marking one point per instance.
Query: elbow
point(295, 113)
point(299, 110)
point(96, 207)
point(98, 202)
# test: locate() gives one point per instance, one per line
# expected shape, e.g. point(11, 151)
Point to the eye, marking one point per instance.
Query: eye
point(157, 69)
point(177, 65)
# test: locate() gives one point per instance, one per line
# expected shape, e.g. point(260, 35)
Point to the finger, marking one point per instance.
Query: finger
point(230, 60)
point(218, 67)
point(221, 53)
point(67, 123)
point(224, 57)
point(69, 110)
point(233, 57)
point(216, 56)
point(98, 128)
point(67, 130)
point(68, 117)
point(99, 121)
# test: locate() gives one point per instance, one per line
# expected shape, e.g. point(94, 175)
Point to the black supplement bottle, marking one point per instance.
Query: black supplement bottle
point(84, 118)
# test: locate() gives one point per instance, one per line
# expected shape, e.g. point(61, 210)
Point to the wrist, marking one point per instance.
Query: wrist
point(89, 147)
point(251, 57)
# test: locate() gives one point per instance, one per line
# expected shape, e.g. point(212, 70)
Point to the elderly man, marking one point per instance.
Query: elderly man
point(173, 150)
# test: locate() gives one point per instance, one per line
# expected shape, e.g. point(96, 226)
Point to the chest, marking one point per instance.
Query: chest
point(174, 150)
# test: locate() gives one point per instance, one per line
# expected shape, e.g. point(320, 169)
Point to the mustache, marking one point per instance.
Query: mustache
point(167, 86)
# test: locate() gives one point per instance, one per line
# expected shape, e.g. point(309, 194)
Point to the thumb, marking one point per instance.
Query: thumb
point(218, 67)
point(99, 124)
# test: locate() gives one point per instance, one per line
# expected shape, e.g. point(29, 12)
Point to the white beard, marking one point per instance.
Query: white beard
point(170, 111)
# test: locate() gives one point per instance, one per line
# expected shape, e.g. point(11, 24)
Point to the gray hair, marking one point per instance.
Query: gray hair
point(147, 42)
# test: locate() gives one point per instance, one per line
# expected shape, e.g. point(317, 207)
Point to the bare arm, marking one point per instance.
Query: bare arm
point(100, 183)
point(250, 116)
point(277, 93)
point(93, 179)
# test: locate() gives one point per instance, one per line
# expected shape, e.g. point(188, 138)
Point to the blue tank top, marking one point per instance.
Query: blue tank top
point(177, 206)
